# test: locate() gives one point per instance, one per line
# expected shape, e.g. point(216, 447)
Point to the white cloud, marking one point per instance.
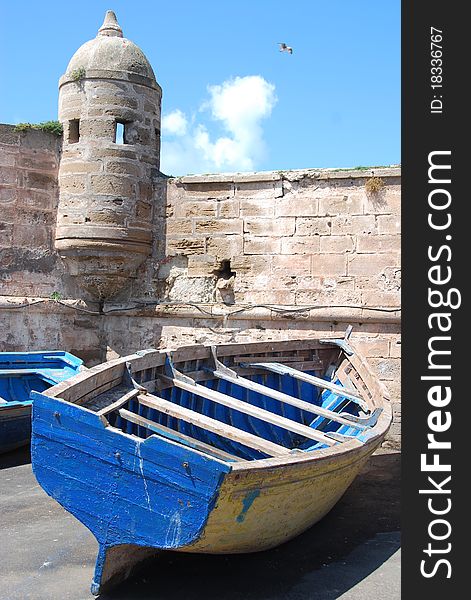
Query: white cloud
point(238, 105)
point(175, 123)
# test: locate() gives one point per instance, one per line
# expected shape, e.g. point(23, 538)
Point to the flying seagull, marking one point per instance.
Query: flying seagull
point(285, 48)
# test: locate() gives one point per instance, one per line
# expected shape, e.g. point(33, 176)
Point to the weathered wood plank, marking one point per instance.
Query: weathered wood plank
point(177, 436)
point(194, 352)
point(280, 359)
point(212, 425)
point(253, 411)
point(287, 399)
point(312, 379)
point(118, 403)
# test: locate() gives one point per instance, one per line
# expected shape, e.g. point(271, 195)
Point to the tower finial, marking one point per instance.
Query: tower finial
point(110, 26)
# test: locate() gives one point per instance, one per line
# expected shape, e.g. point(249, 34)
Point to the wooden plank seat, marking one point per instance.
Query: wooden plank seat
point(214, 426)
point(171, 434)
point(316, 381)
point(291, 400)
point(185, 383)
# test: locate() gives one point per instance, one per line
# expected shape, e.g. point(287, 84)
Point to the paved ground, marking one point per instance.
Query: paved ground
point(352, 554)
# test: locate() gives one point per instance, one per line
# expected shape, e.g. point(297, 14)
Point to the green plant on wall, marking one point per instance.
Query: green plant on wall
point(50, 126)
point(77, 74)
point(56, 296)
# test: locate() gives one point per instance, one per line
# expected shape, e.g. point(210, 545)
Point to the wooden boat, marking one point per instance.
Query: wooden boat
point(20, 373)
point(227, 449)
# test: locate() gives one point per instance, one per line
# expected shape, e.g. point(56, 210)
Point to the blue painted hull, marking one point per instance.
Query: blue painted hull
point(148, 465)
point(150, 493)
point(20, 374)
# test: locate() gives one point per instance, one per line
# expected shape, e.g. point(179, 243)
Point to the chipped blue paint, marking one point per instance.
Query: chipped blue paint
point(246, 504)
point(152, 493)
point(20, 373)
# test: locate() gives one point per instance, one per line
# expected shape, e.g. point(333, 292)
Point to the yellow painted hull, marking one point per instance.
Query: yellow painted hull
point(258, 509)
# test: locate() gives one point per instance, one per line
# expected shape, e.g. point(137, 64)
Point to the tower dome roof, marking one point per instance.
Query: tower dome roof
point(110, 52)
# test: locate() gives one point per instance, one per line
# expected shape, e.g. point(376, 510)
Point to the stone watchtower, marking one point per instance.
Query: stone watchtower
point(109, 106)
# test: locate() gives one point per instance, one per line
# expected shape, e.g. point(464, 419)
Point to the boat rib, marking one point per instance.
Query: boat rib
point(183, 382)
point(227, 431)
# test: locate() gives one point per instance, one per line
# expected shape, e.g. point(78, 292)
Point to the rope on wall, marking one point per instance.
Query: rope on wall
point(201, 307)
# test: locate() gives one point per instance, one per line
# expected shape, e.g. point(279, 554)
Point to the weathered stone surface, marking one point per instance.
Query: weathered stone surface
point(196, 208)
point(112, 184)
point(300, 245)
point(370, 264)
point(333, 259)
point(73, 184)
point(185, 246)
point(336, 244)
point(262, 245)
point(388, 224)
point(313, 226)
point(329, 265)
point(283, 226)
point(354, 225)
point(218, 226)
point(378, 243)
point(296, 207)
point(341, 205)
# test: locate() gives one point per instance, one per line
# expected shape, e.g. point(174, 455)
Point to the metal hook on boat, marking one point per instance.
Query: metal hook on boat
point(341, 342)
point(219, 366)
point(174, 373)
point(136, 386)
point(365, 421)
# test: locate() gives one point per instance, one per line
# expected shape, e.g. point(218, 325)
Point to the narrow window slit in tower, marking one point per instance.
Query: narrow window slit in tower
point(120, 137)
point(74, 131)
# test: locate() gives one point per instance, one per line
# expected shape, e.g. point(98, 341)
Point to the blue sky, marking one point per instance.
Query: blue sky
point(231, 100)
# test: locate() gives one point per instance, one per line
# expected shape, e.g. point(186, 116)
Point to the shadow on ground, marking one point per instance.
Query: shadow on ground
point(15, 458)
point(348, 545)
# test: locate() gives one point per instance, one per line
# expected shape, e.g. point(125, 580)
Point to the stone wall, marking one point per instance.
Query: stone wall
point(235, 258)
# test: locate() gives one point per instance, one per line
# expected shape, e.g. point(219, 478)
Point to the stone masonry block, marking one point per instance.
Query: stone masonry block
point(218, 226)
point(195, 208)
point(267, 296)
point(282, 226)
point(341, 205)
point(228, 209)
point(225, 247)
point(381, 298)
point(74, 184)
point(112, 184)
point(179, 227)
point(8, 175)
point(386, 368)
point(291, 265)
point(324, 265)
point(257, 208)
point(378, 243)
point(353, 225)
point(210, 190)
point(81, 167)
point(262, 245)
point(98, 128)
point(201, 265)
point(388, 202)
point(123, 168)
point(313, 226)
point(296, 207)
point(388, 224)
point(185, 247)
point(300, 245)
point(370, 264)
point(250, 265)
point(336, 244)
point(260, 189)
